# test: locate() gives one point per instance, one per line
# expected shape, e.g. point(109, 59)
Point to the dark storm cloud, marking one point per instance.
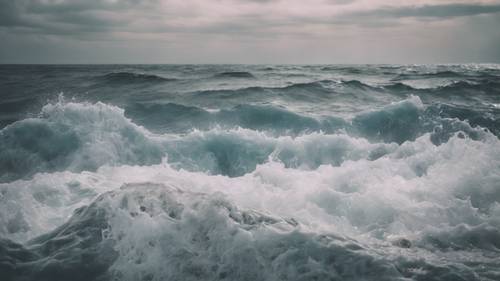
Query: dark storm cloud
point(93, 16)
point(437, 11)
point(67, 17)
point(38, 6)
point(9, 13)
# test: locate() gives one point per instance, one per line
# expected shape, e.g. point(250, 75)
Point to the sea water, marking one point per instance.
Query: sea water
point(250, 172)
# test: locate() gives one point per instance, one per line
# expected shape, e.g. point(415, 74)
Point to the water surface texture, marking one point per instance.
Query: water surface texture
point(249, 172)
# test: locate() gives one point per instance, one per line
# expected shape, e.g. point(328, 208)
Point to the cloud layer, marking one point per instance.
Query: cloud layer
point(246, 31)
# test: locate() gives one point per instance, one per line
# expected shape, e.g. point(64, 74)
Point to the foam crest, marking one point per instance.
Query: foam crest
point(83, 137)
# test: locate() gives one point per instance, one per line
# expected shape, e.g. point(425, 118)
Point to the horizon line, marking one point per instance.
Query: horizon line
point(311, 64)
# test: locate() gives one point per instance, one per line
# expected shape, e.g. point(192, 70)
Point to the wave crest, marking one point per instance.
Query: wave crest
point(76, 137)
point(83, 137)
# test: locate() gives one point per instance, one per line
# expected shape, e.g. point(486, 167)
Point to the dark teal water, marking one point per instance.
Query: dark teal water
point(249, 172)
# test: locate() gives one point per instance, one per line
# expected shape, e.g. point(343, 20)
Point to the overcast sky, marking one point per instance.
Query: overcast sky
point(249, 31)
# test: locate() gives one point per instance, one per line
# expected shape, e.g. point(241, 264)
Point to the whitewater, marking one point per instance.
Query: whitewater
point(250, 172)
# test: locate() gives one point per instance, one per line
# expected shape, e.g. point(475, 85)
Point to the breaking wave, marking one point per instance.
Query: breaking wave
point(74, 137)
point(84, 136)
point(404, 207)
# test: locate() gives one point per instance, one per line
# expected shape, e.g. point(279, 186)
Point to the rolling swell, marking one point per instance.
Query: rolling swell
point(249, 93)
point(409, 119)
point(234, 74)
point(169, 117)
point(275, 120)
point(430, 75)
point(315, 91)
point(132, 77)
point(330, 86)
point(487, 118)
point(356, 84)
point(399, 87)
point(395, 123)
point(490, 87)
point(298, 92)
point(238, 152)
point(268, 118)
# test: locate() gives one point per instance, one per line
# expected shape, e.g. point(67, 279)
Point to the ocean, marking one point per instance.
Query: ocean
point(249, 172)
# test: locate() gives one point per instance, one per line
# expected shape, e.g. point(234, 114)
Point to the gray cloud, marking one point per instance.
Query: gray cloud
point(435, 11)
point(336, 29)
point(93, 16)
point(67, 17)
point(79, 18)
point(9, 13)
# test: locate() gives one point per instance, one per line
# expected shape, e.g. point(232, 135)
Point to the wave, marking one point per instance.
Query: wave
point(485, 118)
point(430, 75)
point(132, 77)
point(393, 213)
point(10, 110)
point(486, 86)
point(201, 236)
point(238, 152)
point(349, 70)
point(408, 170)
point(462, 90)
point(234, 74)
point(169, 117)
point(464, 237)
point(460, 87)
point(307, 85)
point(75, 137)
point(328, 85)
point(269, 118)
point(356, 84)
point(409, 119)
point(309, 92)
point(227, 94)
point(179, 118)
point(395, 123)
point(254, 191)
point(83, 137)
point(78, 243)
point(399, 87)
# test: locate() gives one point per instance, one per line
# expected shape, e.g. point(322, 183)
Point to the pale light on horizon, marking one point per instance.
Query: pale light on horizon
point(249, 31)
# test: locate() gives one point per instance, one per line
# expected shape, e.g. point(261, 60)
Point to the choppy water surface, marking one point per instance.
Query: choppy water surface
point(202, 172)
